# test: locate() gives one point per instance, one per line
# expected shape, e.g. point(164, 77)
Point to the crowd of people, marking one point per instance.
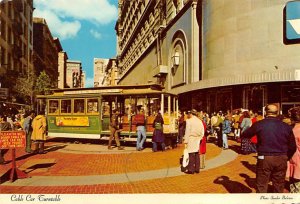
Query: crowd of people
point(34, 126)
point(274, 139)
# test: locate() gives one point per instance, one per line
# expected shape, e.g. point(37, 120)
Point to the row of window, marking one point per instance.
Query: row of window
point(73, 106)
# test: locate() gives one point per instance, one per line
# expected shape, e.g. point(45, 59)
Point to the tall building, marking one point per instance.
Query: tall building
point(62, 69)
point(100, 65)
point(16, 41)
point(235, 56)
point(83, 78)
point(74, 74)
point(46, 49)
point(111, 73)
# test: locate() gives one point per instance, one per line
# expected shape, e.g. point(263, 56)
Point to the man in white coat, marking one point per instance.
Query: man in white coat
point(194, 132)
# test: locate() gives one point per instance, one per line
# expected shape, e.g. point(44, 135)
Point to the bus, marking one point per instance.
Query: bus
point(85, 112)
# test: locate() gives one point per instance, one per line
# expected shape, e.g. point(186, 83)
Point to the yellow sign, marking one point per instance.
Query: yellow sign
point(80, 121)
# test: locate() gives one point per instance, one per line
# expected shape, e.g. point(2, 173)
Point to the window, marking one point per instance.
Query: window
point(92, 105)
point(66, 106)
point(53, 107)
point(78, 105)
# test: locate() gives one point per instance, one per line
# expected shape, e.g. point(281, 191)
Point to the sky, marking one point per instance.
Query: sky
point(85, 29)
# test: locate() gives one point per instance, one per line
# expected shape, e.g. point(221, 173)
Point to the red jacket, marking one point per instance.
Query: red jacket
point(202, 149)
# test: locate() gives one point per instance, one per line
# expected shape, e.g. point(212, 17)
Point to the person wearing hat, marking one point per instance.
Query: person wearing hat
point(275, 145)
point(194, 132)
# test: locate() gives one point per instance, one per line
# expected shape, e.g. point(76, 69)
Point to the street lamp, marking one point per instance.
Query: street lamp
point(176, 58)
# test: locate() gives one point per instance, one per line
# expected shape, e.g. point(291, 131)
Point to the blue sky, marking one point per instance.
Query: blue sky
point(85, 28)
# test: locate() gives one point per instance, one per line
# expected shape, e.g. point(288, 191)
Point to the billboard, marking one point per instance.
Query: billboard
point(292, 22)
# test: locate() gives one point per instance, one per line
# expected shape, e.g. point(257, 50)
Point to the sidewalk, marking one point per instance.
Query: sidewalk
point(90, 168)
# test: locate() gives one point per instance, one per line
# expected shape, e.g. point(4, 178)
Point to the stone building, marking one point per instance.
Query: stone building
point(62, 69)
point(46, 49)
point(100, 65)
point(111, 77)
point(74, 74)
point(16, 41)
point(215, 54)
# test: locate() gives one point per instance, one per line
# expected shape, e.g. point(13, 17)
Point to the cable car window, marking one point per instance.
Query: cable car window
point(66, 106)
point(92, 105)
point(79, 106)
point(53, 106)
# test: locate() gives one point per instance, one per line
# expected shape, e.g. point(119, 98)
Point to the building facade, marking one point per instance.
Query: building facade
point(46, 49)
point(111, 77)
point(83, 79)
point(100, 65)
point(215, 54)
point(16, 41)
point(62, 69)
point(74, 74)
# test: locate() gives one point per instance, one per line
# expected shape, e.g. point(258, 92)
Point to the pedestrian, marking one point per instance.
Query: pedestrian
point(293, 171)
point(236, 124)
point(114, 130)
point(202, 150)
point(194, 132)
point(181, 127)
point(4, 126)
point(28, 130)
point(158, 134)
point(246, 146)
point(38, 135)
point(226, 129)
point(139, 121)
point(275, 145)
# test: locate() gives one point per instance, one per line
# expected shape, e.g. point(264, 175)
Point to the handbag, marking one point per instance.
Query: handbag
point(295, 187)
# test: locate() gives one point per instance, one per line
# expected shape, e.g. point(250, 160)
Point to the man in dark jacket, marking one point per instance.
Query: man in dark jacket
point(276, 144)
point(28, 130)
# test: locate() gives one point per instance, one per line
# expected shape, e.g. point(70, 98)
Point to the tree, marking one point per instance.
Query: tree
point(43, 83)
point(24, 87)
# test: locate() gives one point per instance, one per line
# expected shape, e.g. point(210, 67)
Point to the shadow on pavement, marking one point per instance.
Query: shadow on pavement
point(236, 148)
point(53, 148)
point(232, 186)
point(251, 167)
point(39, 166)
point(250, 181)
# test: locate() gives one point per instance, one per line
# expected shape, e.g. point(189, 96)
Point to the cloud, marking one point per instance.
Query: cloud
point(89, 82)
point(96, 34)
point(64, 16)
point(63, 29)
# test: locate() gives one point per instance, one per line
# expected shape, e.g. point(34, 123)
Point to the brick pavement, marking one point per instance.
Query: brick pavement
point(234, 177)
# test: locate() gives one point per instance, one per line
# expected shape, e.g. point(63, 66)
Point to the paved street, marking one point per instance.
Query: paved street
point(92, 169)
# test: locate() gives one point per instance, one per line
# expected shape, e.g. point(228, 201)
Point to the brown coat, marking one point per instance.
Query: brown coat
point(39, 128)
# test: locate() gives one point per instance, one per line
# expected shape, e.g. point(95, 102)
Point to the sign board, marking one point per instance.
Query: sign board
point(12, 139)
point(292, 18)
point(72, 121)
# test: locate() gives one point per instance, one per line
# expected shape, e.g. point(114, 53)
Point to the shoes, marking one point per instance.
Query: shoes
point(110, 148)
point(29, 151)
point(189, 172)
point(120, 148)
point(197, 172)
point(42, 152)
